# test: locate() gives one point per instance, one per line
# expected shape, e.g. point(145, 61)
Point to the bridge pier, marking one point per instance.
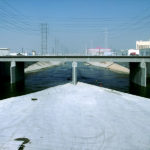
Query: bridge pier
point(138, 73)
point(4, 71)
point(74, 72)
point(148, 69)
point(16, 71)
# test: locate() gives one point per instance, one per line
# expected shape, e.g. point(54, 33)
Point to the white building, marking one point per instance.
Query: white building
point(18, 54)
point(133, 52)
point(4, 51)
point(99, 51)
point(33, 53)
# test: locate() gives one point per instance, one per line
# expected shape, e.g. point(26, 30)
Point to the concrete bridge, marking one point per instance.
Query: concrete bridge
point(12, 67)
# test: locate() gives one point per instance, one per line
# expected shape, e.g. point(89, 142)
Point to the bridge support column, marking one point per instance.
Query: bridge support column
point(16, 71)
point(148, 69)
point(74, 73)
point(138, 73)
point(4, 71)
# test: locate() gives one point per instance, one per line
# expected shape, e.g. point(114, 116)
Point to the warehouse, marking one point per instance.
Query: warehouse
point(4, 51)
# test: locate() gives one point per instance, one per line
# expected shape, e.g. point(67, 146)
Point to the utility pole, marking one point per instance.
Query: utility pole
point(91, 43)
point(86, 50)
point(53, 51)
point(44, 27)
point(55, 46)
point(22, 50)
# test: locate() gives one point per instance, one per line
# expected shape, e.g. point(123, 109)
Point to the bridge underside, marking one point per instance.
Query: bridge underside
point(14, 71)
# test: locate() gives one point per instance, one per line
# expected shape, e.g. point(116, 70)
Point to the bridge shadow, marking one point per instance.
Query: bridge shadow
point(139, 90)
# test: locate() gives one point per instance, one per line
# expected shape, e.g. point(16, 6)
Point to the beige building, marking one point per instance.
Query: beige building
point(142, 45)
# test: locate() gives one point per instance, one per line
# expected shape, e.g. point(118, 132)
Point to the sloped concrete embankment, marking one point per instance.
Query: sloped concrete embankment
point(75, 117)
point(41, 65)
point(111, 66)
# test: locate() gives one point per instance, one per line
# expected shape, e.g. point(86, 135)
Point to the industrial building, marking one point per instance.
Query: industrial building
point(4, 51)
point(99, 51)
point(144, 47)
point(18, 54)
point(133, 52)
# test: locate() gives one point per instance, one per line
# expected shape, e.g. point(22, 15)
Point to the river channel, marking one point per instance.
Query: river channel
point(63, 74)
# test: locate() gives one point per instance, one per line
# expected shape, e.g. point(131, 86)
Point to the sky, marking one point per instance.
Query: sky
point(73, 25)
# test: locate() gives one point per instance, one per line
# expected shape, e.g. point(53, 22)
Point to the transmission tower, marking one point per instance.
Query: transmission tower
point(106, 38)
point(44, 38)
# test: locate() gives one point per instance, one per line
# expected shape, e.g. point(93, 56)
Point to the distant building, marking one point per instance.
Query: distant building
point(33, 53)
point(133, 52)
point(4, 51)
point(99, 51)
point(144, 47)
point(18, 54)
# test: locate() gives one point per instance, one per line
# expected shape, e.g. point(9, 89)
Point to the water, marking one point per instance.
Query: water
point(63, 74)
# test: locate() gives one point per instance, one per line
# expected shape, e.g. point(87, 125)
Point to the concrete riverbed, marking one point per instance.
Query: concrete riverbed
point(77, 117)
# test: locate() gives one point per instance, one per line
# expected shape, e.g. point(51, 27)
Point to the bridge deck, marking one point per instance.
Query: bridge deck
point(75, 58)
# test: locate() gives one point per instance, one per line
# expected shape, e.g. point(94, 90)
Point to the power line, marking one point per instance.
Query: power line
point(14, 19)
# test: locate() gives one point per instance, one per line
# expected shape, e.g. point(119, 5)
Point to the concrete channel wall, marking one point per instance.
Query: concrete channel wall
point(40, 65)
point(111, 66)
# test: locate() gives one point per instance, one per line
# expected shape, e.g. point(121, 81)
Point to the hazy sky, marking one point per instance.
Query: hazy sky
point(74, 25)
